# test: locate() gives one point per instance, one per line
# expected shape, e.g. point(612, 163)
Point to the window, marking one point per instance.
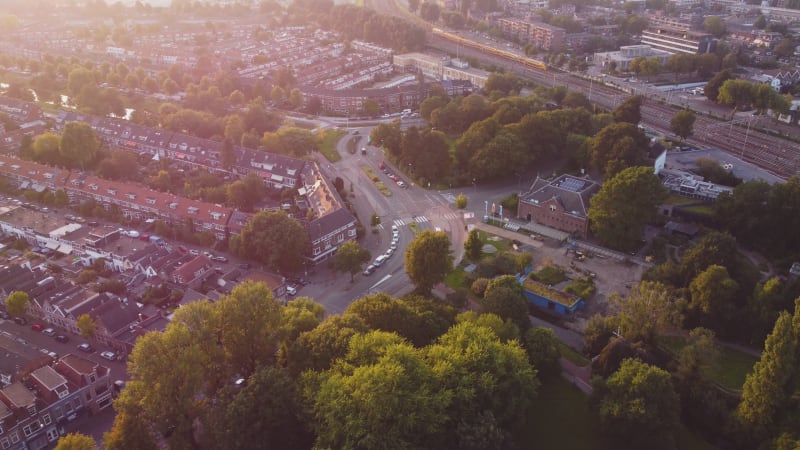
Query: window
point(552, 208)
point(5, 443)
point(31, 428)
point(14, 437)
point(317, 251)
point(341, 238)
point(92, 378)
point(52, 435)
point(46, 419)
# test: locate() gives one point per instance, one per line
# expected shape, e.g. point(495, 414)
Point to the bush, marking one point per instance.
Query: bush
point(582, 287)
point(458, 298)
point(550, 274)
point(479, 286)
point(87, 276)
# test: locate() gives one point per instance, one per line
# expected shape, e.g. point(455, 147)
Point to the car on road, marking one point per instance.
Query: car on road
point(86, 347)
point(111, 356)
point(369, 270)
point(291, 290)
point(389, 253)
point(37, 327)
point(194, 252)
point(219, 259)
point(62, 338)
point(395, 229)
point(49, 332)
point(402, 184)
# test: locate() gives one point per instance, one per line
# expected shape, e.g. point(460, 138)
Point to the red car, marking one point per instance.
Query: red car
point(37, 327)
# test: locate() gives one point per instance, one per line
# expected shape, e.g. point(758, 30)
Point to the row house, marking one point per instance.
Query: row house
point(34, 410)
point(277, 171)
point(351, 101)
point(333, 225)
point(193, 273)
point(20, 111)
point(138, 202)
point(30, 175)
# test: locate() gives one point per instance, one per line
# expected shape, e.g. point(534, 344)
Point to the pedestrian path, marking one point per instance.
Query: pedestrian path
point(405, 221)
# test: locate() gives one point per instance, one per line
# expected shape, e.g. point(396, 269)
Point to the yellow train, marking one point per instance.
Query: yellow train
point(525, 61)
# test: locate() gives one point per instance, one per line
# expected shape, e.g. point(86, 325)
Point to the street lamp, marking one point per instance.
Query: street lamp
point(474, 185)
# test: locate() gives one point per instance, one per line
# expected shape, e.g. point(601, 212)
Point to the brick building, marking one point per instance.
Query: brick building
point(560, 203)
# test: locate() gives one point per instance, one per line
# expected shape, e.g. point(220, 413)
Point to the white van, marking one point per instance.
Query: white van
point(379, 260)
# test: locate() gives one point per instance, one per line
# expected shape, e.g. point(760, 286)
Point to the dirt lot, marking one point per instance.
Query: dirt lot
point(610, 275)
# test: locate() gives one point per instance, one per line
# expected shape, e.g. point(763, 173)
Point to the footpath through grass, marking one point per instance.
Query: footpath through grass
point(327, 144)
point(730, 370)
point(560, 419)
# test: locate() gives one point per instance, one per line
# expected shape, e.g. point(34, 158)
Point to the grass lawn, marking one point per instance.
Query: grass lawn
point(560, 419)
point(327, 144)
point(455, 279)
point(572, 355)
point(700, 209)
point(731, 368)
point(674, 199)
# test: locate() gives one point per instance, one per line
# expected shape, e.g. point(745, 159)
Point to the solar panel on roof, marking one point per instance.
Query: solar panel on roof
point(572, 184)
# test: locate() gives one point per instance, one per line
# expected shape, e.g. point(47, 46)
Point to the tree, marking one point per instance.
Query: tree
point(630, 110)
point(713, 296)
point(473, 245)
point(625, 203)
point(428, 259)
point(317, 349)
point(245, 193)
point(769, 386)
point(682, 123)
point(76, 441)
point(617, 147)
point(649, 309)
point(711, 89)
point(713, 248)
point(86, 326)
point(714, 25)
point(228, 153)
point(638, 406)
point(414, 318)
point(461, 201)
point(45, 148)
point(383, 394)
point(543, 350)
point(350, 257)
point(265, 413)
point(17, 303)
point(736, 93)
point(504, 297)
point(488, 379)
point(79, 146)
point(275, 239)
point(701, 353)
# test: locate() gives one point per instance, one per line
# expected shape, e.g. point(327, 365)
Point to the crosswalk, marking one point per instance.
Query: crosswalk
point(424, 219)
point(449, 197)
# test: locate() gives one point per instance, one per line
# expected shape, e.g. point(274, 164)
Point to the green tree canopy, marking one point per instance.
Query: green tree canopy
point(625, 203)
point(629, 111)
point(617, 147)
point(79, 146)
point(428, 259)
point(646, 312)
point(86, 326)
point(682, 123)
point(17, 303)
point(275, 239)
point(76, 441)
point(638, 406)
point(350, 257)
point(473, 245)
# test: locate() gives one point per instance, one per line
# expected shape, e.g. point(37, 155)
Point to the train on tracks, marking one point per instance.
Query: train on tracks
point(524, 60)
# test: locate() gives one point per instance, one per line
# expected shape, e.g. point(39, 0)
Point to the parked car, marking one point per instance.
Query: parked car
point(20, 320)
point(86, 347)
point(369, 270)
point(37, 327)
point(402, 184)
point(49, 332)
point(244, 266)
point(291, 290)
point(194, 252)
point(62, 338)
point(111, 356)
point(219, 258)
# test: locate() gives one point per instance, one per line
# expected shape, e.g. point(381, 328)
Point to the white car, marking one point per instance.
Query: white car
point(394, 229)
point(133, 233)
point(291, 290)
point(49, 332)
point(111, 356)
